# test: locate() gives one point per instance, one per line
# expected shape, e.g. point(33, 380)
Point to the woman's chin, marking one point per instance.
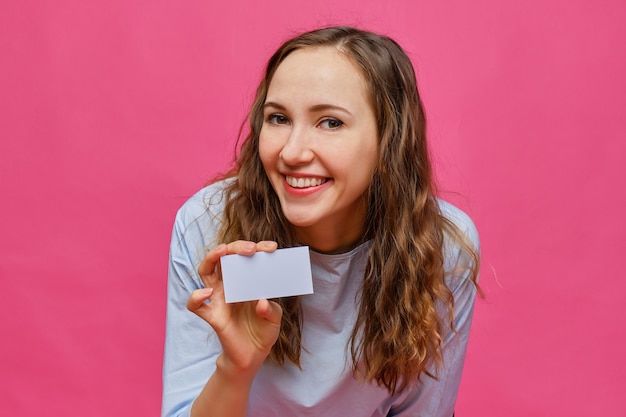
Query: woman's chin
point(301, 221)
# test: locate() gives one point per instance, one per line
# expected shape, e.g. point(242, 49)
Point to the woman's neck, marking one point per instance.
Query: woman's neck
point(331, 239)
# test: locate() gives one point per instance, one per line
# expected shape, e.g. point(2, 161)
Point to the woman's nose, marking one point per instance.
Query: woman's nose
point(297, 150)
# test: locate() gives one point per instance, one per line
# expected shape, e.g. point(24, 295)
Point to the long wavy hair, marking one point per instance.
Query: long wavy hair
point(398, 331)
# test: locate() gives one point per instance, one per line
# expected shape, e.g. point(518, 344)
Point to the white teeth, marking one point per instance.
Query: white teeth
point(304, 182)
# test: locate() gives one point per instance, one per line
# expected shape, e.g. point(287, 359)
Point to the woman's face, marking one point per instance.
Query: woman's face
point(319, 145)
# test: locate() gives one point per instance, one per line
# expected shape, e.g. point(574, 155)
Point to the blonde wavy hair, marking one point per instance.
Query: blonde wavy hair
point(398, 331)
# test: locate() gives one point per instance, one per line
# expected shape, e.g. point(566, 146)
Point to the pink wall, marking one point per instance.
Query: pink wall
point(113, 112)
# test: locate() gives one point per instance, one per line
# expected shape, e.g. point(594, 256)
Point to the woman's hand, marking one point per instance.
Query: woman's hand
point(248, 330)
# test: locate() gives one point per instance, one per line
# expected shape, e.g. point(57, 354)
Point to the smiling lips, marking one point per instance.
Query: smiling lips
point(305, 182)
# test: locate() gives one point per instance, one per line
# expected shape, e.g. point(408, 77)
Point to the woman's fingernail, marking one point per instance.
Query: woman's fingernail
point(267, 245)
point(249, 245)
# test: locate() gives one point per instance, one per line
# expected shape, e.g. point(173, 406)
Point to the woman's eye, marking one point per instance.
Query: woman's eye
point(331, 123)
point(277, 119)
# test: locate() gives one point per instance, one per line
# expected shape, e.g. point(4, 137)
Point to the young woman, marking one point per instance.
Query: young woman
point(336, 159)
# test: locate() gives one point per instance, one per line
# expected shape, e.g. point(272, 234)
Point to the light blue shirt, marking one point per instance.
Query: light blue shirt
point(325, 386)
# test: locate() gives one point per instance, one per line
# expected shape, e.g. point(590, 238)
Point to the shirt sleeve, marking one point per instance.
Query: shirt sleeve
point(437, 397)
point(191, 346)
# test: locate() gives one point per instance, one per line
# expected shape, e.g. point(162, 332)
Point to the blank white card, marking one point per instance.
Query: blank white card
point(282, 273)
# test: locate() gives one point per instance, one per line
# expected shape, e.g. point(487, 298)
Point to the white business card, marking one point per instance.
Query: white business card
point(282, 273)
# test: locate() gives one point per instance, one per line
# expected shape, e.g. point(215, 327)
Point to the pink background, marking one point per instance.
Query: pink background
point(112, 112)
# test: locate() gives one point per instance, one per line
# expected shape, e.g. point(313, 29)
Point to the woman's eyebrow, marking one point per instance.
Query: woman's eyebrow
point(274, 105)
point(322, 107)
point(315, 108)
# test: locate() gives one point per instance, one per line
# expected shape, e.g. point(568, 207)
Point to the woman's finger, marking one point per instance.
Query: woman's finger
point(197, 300)
point(266, 246)
point(241, 247)
point(269, 310)
point(246, 247)
point(211, 259)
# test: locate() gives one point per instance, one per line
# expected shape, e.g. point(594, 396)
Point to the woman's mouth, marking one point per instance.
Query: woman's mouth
point(304, 182)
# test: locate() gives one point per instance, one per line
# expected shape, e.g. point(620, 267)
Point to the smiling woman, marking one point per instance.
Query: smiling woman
point(337, 160)
point(319, 146)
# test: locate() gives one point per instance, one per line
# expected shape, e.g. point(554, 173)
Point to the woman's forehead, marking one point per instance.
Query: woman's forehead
point(317, 74)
